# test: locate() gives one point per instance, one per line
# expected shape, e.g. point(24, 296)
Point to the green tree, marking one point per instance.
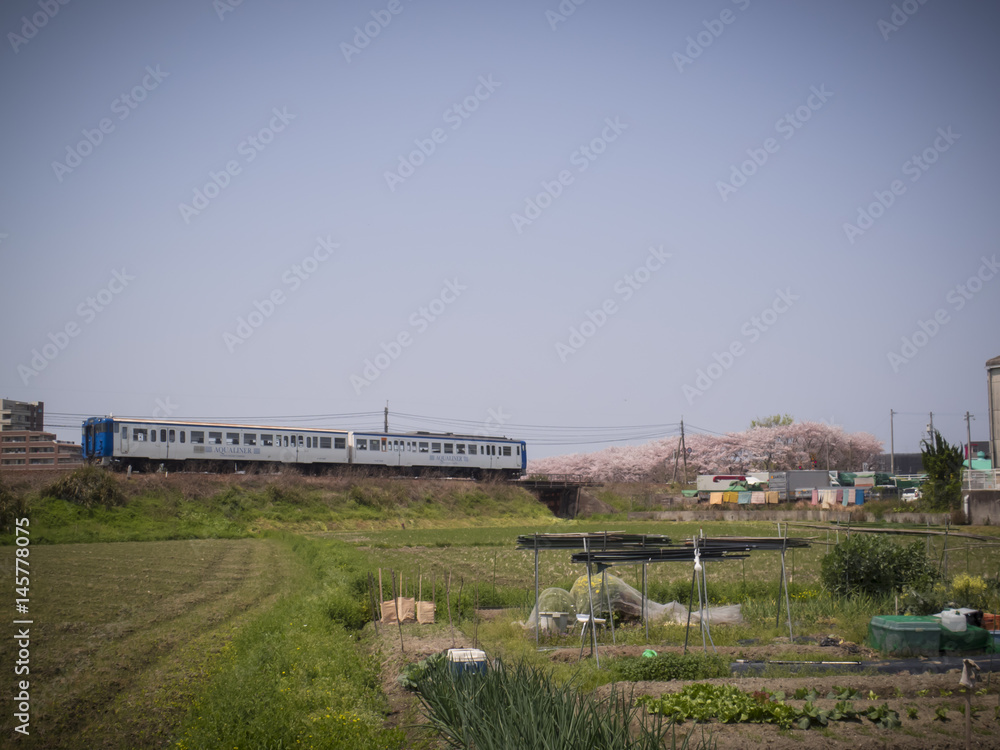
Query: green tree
point(775, 420)
point(943, 464)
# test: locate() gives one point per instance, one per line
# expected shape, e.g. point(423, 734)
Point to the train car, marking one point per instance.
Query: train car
point(455, 455)
point(116, 440)
point(126, 441)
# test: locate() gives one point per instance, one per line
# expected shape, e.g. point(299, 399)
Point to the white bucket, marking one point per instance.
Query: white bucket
point(954, 621)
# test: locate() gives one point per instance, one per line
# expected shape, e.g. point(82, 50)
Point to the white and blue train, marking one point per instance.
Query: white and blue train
point(123, 441)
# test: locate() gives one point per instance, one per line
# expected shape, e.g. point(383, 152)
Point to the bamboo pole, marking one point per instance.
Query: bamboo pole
point(376, 614)
point(448, 598)
point(395, 602)
point(538, 615)
point(475, 619)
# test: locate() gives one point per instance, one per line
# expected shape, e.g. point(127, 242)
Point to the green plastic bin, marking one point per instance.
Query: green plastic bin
point(901, 635)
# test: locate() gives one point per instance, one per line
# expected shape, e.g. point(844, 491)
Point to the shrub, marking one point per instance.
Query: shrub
point(11, 506)
point(969, 591)
point(88, 486)
point(874, 565)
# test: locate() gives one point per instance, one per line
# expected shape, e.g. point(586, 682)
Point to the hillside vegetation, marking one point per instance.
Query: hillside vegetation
point(92, 505)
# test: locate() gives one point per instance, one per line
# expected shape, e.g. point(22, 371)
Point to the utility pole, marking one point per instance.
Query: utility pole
point(387, 417)
point(892, 446)
point(684, 452)
point(931, 433)
point(968, 438)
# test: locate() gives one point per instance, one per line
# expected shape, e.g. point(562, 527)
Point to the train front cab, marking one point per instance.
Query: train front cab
point(98, 439)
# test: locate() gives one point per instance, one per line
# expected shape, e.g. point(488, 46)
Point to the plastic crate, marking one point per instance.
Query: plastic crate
point(901, 635)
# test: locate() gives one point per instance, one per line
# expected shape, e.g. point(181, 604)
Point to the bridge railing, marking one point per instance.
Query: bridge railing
point(561, 478)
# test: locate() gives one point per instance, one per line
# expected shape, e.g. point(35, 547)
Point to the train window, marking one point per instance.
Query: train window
point(249, 438)
point(215, 438)
point(506, 450)
point(197, 437)
point(422, 447)
point(124, 433)
point(435, 447)
point(361, 445)
point(172, 435)
point(139, 434)
point(338, 443)
point(267, 440)
point(472, 449)
point(116, 428)
point(232, 438)
point(460, 449)
point(300, 441)
point(163, 436)
point(152, 435)
point(449, 448)
point(519, 450)
point(283, 441)
point(309, 441)
point(183, 435)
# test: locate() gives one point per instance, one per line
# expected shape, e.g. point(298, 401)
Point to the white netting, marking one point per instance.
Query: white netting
point(626, 602)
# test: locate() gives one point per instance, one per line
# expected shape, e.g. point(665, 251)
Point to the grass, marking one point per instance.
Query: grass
point(261, 634)
point(295, 676)
point(73, 508)
point(124, 633)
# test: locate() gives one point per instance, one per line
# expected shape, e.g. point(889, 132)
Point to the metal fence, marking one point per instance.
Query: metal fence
point(981, 480)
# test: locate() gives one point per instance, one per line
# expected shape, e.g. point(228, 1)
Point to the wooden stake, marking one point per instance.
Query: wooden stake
point(376, 614)
point(395, 602)
point(447, 592)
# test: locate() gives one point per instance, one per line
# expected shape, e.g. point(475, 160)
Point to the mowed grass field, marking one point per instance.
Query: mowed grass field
point(124, 634)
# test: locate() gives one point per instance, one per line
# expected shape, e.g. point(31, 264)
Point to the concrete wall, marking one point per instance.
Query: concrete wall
point(984, 507)
point(856, 516)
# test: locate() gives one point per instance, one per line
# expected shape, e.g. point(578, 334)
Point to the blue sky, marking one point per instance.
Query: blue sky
point(502, 214)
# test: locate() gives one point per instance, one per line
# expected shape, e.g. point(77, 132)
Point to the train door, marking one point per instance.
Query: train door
point(125, 439)
point(289, 449)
